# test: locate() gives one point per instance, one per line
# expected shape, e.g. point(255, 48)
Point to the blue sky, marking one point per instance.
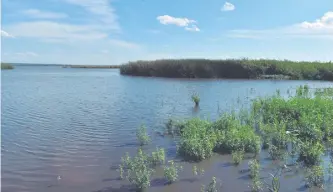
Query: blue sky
point(117, 31)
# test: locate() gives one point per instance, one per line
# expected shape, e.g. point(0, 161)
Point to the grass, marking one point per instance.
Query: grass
point(231, 68)
point(303, 121)
point(5, 66)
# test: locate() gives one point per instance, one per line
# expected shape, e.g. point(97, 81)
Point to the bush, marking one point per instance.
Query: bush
point(254, 168)
point(157, 157)
point(311, 153)
point(314, 177)
point(237, 157)
point(142, 136)
point(171, 172)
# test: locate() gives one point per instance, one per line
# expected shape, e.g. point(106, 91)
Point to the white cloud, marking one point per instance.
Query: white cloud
point(5, 34)
point(35, 13)
point(26, 54)
point(228, 7)
point(192, 28)
point(102, 9)
point(188, 24)
point(53, 31)
point(320, 28)
point(124, 44)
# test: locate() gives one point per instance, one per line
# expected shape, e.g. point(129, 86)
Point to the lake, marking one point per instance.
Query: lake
point(77, 123)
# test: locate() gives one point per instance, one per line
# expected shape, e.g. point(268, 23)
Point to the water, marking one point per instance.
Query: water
point(77, 123)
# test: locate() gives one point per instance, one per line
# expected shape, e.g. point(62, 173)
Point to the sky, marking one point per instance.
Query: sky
point(111, 32)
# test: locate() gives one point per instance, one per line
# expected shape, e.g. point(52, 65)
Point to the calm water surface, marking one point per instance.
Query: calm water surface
point(77, 123)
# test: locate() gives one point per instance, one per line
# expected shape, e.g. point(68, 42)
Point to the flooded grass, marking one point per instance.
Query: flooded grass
point(232, 68)
point(299, 127)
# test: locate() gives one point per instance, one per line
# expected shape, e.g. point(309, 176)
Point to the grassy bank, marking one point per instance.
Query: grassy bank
point(6, 66)
point(92, 66)
point(231, 69)
point(296, 132)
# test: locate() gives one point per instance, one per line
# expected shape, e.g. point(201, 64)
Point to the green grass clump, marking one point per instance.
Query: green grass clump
point(196, 99)
point(139, 171)
point(6, 66)
point(254, 168)
point(310, 153)
point(314, 176)
point(197, 140)
point(157, 157)
point(142, 135)
point(171, 172)
point(231, 68)
point(237, 157)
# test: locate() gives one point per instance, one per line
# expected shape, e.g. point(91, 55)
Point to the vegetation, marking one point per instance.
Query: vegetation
point(171, 172)
point(237, 157)
point(196, 99)
point(212, 187)
point(142, 136)
point(300, 126)
point(232, 68)
point(6, 66)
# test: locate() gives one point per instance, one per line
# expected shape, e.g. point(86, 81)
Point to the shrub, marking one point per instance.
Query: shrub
point(311, 152)
point(237, 157)
point(171, 172)
point(195, 171)
point(254, 168)
point(157, 157)
point(212, 187)
point(138, 170)
point(256, 185)
point(142, 136)
point(275, 152)
point(314, 176)
point(197, 140)
point(196, 99)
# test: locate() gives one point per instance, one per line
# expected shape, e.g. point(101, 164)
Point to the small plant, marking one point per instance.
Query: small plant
point(121, 171)
point(139, 171)
point(275, 152)
point(171, 172)
point(196, 99)
point(211, 186)
point(311, 152)
point(275, 184)
point(195, 171)
point(237, 156)
point(157, 157)
point(256, 185)
point(142, 136)
point(254, 168)
point(314, 176)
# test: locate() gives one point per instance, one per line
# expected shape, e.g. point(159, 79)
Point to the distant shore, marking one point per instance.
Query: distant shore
point(6, 66)
point(92, 66)
point(230, 69)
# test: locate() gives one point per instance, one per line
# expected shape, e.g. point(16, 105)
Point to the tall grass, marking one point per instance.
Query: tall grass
point(6, 66)
point(239, 69)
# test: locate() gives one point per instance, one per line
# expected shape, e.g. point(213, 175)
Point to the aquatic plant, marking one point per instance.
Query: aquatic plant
point(254, 168)
point(195, 99)
point(275, 183)
point(142, 135)
point(314, 176)
point(121, 171)
point(197, 140)
point(275, 152)
point(230, 68)
point(195, 171)
point(171, 171)
point(256, 185)
point(158, 157)
point(139, 171)
point(311, 152)
point(237, 156)
point(212, 186)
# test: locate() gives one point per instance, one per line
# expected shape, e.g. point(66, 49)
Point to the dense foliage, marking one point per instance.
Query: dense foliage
point(233, 69)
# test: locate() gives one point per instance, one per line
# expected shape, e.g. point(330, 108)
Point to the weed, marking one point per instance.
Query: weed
point(254, 168)
point(196, 99)
point(171, 172)
point(212, 186)
point(157, 157)
point(314, 176)
point(256, 185)
point(275, 152)
point(121, 172)
point(311, 152)
point(237, 156)
point(142, 135)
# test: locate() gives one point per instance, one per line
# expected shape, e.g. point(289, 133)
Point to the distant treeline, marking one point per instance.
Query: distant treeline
point(92, 66)
point(230, 69)
point(6, 66)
